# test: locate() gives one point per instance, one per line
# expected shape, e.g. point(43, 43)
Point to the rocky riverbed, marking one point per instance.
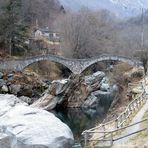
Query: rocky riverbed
point(23, 119)
point(76, 91)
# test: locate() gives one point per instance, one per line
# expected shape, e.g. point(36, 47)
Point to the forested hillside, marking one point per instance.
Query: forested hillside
point(85, 33)
point(18, 19)
point(44, 11)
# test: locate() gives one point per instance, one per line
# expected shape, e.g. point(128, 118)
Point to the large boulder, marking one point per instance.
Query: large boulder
point(2, 82)
point(72, 92)
point(96, 77)
point(93, 81)
point(47, 102)
point(5, 89)
point(15, 89)
point(105, 87)
point(91, 102)
point(95, 98)
point(7, 102)
point(26, 99)
point(25, 127)
point(104, 84)
point(54, 95)
point(5, 140)
point(59, 86)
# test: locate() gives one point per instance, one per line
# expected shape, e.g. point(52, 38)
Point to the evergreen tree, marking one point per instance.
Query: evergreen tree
point(13, 29)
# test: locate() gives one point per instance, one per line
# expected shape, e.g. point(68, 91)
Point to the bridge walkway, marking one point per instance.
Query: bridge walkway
point(77, 66)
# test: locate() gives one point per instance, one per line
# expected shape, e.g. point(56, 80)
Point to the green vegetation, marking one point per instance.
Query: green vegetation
point(143, 134)
point(145, 115)
point(13, 31)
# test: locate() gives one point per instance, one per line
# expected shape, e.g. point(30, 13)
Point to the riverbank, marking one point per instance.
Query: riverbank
point(108, 124)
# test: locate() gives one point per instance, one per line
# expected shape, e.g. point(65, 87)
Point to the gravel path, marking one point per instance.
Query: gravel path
point(138, 117)
point(134, 128)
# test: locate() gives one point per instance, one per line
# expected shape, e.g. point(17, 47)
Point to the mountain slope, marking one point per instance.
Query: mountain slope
point(119, 7)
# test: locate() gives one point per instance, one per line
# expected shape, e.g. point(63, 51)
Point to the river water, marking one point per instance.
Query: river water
point(79, 119)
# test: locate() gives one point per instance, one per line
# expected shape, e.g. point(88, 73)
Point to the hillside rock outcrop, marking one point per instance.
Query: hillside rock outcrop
point(77, 91)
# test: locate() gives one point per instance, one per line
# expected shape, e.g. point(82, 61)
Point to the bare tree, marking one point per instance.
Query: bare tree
point(84, 32)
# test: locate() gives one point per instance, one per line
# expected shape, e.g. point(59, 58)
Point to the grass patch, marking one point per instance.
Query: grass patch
point(145, 115)
point(143, 134)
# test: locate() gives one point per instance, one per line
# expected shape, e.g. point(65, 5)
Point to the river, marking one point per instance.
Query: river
point(79, 119)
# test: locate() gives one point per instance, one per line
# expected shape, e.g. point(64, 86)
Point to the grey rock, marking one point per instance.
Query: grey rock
point(91, 102)
point(26, 90)
point(53, 95)
point(26, 99)
point(2, 82)
point(96, 77)
point(100, 93)
point(59, 86)
point(1, 75)
point(14, 89)
point(105, 87)
point(104, 84)
point(4, 89)
point(7, 102)
point(115, 88)
point(5, 140)
point(10, 75)
point(46, 102)
point(104, 80)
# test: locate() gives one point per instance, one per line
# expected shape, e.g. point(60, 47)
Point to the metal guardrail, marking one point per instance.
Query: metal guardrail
point(109, 135)
point(117, 124)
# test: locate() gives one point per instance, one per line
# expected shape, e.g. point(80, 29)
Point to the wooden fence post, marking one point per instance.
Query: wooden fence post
point(124, 118)
point(147, 124)
point(103, 130)
point(116, 123)
point(85, 139)
point(111, 138)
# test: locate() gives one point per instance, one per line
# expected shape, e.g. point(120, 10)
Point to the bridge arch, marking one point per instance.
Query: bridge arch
point(102, 58)
point(22, 64)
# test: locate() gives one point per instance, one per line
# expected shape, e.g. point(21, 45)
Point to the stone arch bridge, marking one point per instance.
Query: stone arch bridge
point(77, 66)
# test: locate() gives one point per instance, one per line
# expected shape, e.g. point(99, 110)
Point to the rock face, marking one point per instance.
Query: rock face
point(54, 95)
point(5, 89)
point(96, 77)
point(94, 99)
point(26, 99)
point(76, 91)
point(104, 84)
point(14, 89)
point(24, 127)
point(1, 75)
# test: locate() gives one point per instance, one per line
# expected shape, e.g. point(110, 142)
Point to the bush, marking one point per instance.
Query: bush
point(117, 75)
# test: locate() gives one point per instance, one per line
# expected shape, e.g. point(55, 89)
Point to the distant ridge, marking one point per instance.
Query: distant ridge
point(125, 8)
